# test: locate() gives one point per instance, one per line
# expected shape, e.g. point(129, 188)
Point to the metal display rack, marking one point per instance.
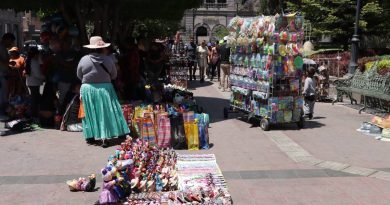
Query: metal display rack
point(179, 71)
point(266, 80)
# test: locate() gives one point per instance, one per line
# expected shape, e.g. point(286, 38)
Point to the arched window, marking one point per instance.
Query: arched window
point(201, 31)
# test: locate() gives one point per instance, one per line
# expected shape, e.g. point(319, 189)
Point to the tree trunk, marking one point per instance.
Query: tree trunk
point(81, 23)
point(115, 25)
point(65, 12)
point(105, 21)
point(97, 20)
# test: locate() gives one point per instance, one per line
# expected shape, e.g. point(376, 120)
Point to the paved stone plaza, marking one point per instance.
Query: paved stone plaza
point(328, 162)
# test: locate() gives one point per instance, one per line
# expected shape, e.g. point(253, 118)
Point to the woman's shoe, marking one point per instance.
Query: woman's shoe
point(105, 143)
point(90, 141)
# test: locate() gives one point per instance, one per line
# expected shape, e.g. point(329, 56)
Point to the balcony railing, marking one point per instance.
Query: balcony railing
point(214, 5)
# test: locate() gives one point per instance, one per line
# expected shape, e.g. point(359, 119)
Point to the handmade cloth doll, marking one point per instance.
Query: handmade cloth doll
point(108, 194)
point(82, 184)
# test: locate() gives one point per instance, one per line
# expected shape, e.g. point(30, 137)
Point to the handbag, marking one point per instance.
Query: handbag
point(192, 135)
point(164, 132)
point(148, 133)
point(189, 116)
point(203, 135)
point(81, 114)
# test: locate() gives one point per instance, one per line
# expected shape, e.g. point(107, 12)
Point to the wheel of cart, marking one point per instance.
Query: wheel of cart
point(225, 112)
point(265, 124)
point(301, 122)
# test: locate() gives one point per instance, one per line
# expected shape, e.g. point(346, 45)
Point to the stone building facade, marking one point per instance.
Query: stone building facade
point(11, 22)
point(202, 22)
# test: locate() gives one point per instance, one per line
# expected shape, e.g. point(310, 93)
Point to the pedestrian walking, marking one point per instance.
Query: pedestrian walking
point(225, 65)
point(309, 92)
point(103, 117)
point(202, 53)
point(208, 69)
point(214, 61)
point(218, 47)
point(191, 55)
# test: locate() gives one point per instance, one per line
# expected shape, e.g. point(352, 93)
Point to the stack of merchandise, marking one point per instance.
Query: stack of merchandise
point(138, 167)
point(179, 70)
point(201, 173)
point(168, 126)
point(200, 181)
point(286, 109)
point(267, 66)
point(178, 95)
point(141, 173)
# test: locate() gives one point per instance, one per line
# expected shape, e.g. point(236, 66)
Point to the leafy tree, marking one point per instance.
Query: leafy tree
point(270, 7)
point(110, 19)
point(336, 18)
point(221, 32)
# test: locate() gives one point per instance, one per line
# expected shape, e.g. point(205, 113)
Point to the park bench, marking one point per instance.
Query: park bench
point(374, 89)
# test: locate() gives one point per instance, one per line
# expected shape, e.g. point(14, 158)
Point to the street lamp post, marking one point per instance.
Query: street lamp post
point(193, 22)
point(355, 42)
point(237, 3)
point(338, 64)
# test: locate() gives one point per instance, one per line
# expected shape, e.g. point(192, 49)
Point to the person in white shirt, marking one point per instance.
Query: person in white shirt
point(202, 54)
point(34, 79)
point(309, 92)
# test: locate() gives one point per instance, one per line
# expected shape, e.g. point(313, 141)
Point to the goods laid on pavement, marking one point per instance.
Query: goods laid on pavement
point(140, 172)
point(266, 69)
point(378, 127)
point(168, 125)
point(82, 184)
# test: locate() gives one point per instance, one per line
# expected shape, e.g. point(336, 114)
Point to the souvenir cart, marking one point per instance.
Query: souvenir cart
point(179, 70)
point(266, 72)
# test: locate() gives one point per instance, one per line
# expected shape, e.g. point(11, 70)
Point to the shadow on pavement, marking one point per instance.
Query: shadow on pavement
point(309, 124)
point(319, 117)
point(111, 142)
point(213, 106)
point(255, 123)
point(192, 85)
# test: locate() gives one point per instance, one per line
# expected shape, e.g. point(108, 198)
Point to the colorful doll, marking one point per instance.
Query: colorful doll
point(108, 195)
point(82, 184)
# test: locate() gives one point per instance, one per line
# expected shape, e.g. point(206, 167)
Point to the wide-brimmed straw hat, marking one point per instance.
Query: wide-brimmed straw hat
point(97, 42)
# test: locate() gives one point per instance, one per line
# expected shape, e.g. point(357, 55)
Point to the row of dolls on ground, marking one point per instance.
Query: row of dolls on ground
point(135, 167)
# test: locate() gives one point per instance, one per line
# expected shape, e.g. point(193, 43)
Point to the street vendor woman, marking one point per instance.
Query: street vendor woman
point(103, 118)
point(309, 92)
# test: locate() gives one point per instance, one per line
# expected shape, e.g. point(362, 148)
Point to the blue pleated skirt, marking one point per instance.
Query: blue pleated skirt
point(103, 113)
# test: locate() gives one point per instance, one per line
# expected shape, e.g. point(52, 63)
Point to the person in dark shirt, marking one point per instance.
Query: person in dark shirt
point(225, 65)
point(191, 55)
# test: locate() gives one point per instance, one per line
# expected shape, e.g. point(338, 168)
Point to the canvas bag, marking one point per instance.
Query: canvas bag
point(203, 118)
point(164, 132)
point(189, 116)
point(148, 133)
point(192, 135)
point(178, 139)
point(203, 135)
